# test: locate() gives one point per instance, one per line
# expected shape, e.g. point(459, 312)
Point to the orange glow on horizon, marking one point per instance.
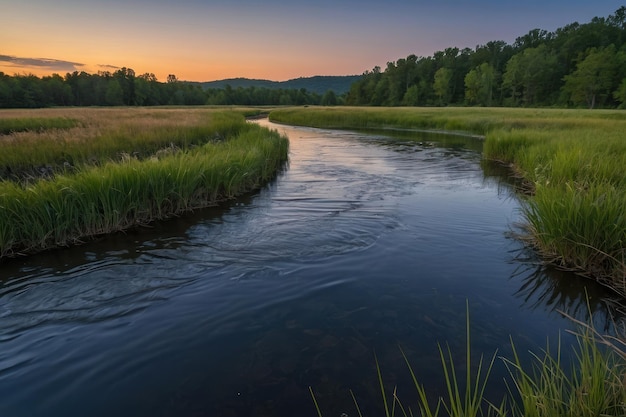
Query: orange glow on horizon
point(185, 72)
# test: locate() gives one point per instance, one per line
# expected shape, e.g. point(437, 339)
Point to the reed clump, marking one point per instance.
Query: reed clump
point(107, 134)
point(118, 193)
point(37, 124)
point(572, 163)
point(592, 384)
point(576, 214)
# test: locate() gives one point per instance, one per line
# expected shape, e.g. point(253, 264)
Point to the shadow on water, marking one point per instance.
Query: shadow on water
point(550, 289)
point(546, 288)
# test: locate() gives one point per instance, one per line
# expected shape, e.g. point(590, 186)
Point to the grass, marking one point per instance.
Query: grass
point(474, 120)
point(593, 385)
point(108, 134)
point(13, 125)
point(115, 194)
point(576, 214)
point(573, 163)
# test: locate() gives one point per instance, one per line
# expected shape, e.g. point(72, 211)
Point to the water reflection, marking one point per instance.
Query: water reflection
point(550, 289)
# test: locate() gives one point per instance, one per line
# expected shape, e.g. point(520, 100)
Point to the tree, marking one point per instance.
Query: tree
point(443, 76)
point(530, 75)
point(56, 92)
point(126, 79)
point(329, 99)
point(533, 39)
point(411, 97)
point(114, 95)
point(593, 77)
point(479, 85)
point(620, 93)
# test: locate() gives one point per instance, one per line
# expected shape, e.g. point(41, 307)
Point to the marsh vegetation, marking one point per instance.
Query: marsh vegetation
point(110, 169)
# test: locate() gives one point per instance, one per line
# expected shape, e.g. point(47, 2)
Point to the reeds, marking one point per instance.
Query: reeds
point(573, 163)
point(592, 384)
point(117, 194)
point(465, 391)
point(576, 214)
point(106, 135)
point(38, 124)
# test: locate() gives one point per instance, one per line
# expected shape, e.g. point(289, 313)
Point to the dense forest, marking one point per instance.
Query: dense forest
point(577, 65)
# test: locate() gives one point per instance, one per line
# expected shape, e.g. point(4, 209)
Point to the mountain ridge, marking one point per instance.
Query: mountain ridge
point(317, 84)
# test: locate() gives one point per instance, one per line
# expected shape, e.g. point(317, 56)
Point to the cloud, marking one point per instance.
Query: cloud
point(41, 63)
point(108, 67)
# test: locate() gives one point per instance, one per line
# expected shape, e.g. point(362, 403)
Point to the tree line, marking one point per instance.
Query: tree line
point(124, 88)
point(576, 65)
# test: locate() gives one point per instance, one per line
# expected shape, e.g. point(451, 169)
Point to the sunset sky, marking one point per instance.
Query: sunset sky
point(205, 40)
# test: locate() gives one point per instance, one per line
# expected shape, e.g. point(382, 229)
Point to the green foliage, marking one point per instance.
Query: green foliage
point(591, 385)
point(112, 137)
point(115, 195)
point(531, 72)
point(593, 78)
point(329, 99)
point(411, 97)
point(125, 88)
point(441, 85)
point(22, 124)
point(479, 85)
point(575, 217)
point(620, 93)
point(114, 95)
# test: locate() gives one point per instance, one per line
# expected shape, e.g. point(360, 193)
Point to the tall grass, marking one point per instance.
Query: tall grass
point(593, 384)
point(573, 163)
point(118, 195)
point(473, 120)
point(38, 124)
point(576, 215)
point(105, 135)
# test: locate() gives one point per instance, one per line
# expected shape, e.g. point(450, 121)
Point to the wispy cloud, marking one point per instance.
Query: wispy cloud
point(41, 63)
point(108, 67)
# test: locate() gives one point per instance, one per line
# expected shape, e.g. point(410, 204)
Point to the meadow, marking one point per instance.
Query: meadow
point(89, 172)
point(571, 163)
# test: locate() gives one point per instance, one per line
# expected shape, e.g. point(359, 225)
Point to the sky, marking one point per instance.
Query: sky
point(206, 40)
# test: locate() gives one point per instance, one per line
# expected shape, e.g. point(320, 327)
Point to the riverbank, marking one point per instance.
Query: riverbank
point(114, 169)
point(572, 162)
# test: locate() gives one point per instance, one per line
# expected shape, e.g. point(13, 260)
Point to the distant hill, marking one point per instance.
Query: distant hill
point(318, 84)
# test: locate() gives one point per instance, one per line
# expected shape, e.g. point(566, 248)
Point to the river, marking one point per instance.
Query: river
point(365, 243)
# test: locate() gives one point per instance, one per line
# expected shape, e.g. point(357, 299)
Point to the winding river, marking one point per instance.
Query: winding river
point(365, 243)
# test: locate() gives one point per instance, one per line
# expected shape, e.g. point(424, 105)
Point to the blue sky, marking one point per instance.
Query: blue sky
point(204, 40)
